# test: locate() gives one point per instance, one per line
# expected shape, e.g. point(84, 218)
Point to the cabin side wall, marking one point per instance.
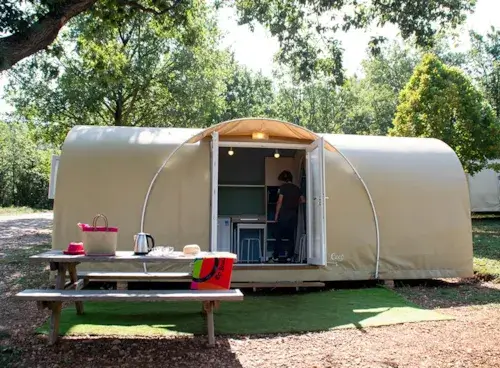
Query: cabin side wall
point(421, 197)
point(115, 184)
point(350, 226)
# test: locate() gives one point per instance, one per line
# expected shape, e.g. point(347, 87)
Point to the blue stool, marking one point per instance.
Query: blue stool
point(250, 250)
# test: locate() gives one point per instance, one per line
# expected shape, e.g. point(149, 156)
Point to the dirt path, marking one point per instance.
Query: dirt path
point(26, 230)
point(471, 340)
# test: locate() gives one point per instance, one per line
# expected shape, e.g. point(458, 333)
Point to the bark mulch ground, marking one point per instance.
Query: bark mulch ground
point(471, 340)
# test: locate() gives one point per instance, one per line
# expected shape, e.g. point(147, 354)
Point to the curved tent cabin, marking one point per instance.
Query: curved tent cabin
point(376, 207)
point(484, 189)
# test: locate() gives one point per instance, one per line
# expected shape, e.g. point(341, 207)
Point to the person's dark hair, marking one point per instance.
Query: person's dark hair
point(285, 176)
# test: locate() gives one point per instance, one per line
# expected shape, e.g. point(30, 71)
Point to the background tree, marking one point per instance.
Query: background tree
point(306, 29)
point(132, 73)
point(24, 167)
point(298, 25)
point(484, 65)
point(33, 25)
point(440, 102)
point(247, 94)
point(371, 100)
point(314, 105)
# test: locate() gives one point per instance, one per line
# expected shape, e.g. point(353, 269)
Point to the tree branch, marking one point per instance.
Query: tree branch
point(136, 5)
point(130, 107)
point(108, 106)
point(39, 35)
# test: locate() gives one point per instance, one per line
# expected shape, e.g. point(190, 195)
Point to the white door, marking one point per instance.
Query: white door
point(214, 186)
point(316, 206)
point(498, 188)
point(53, 176)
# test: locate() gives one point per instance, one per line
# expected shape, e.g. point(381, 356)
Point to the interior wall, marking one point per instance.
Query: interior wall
point(246, 165)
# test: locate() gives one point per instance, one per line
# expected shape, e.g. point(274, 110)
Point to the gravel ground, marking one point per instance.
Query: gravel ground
point(471, 340)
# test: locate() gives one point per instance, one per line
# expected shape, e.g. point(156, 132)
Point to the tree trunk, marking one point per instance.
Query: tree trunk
point(39, 35)
point(119, 109)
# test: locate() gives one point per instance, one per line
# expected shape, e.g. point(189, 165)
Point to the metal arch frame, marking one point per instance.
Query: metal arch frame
point(374, 212)
point(151, 184)
point(367, 191)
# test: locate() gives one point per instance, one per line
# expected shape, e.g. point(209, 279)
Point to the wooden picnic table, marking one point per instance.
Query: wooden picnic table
point(126, 256)
point(66, 264)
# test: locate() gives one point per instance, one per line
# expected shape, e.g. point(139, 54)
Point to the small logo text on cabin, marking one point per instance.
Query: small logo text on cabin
point(336, 258)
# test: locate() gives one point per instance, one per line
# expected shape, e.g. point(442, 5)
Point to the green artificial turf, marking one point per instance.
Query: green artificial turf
point(257, 314)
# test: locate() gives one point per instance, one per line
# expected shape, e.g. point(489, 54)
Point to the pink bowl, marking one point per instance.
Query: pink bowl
point(75, 248)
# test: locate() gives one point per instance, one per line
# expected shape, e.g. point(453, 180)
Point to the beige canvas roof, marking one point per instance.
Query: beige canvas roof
point(418, 188)
point(276, 130)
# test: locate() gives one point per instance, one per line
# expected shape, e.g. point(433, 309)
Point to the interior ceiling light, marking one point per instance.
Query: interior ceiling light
point(276, 154)
point(230, 152)
point(260, 135)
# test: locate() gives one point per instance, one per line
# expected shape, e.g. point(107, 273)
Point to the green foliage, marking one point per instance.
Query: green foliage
point(371, 101)
point(247, 94)
point(17, 16)
point(31, 26)
point(440, 102)
point(134, 72)
point(24, 168)
point(306, 29)
point(314, 105)
point(485, 65)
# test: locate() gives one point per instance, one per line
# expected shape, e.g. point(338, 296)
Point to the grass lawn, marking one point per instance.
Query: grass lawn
point(10, 211)
point(454, 293)
point(486, 237)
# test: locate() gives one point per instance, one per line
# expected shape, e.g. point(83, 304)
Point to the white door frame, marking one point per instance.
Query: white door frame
point(263, 145)
point(214, 186)
point(320, 200)
point(309, 207)
point(54, 167)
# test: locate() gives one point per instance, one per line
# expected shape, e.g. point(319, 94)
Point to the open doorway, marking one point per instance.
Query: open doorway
point(244, 196)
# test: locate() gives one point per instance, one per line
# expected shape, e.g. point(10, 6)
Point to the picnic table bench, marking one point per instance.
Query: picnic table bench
point(72, 291)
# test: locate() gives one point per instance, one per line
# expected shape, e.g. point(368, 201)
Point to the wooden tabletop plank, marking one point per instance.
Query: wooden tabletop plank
point(133, 275)
point(126, 256)
point(130, 295)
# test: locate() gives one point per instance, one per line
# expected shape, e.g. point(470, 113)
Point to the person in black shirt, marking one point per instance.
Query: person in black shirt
point(289, 199)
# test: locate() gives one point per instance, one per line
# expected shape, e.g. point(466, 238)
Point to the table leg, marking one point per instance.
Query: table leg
point(54, 322)
point(61, 276)
point(206, 305)
point(74, 279)
point(210, 323)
